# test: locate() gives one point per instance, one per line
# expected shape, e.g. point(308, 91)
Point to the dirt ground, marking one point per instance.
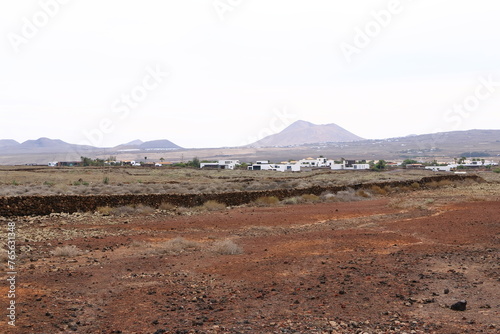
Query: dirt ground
point(384, 265)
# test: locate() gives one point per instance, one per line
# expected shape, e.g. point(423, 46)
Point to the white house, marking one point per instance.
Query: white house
point(349, 165)
point(288, 167)
point(221, 164)
point(311, 162)
point(441, 168)
point(262, 166)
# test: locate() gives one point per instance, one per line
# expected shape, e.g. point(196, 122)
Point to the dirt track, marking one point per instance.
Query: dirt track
point(318, 268)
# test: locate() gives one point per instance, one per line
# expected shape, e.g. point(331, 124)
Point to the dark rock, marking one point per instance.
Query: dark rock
point(459, 306)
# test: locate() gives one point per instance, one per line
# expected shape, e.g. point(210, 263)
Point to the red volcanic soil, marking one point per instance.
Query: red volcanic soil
point(358, 267)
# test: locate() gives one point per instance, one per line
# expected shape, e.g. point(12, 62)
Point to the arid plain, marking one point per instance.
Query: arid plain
point(373, 260)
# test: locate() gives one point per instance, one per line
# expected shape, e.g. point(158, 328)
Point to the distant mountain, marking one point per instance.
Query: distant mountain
point(8, 143)
point(45, 143)
point(159, 145)
point(136, 142)
point(302, 132)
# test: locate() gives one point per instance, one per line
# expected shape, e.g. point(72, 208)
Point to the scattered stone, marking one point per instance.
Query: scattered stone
point(459, 306)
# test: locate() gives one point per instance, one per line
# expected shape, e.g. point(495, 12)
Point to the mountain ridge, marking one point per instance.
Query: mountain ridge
point(303, 132)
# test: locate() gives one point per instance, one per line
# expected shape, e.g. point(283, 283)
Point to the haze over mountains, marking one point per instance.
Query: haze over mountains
point(296, 141)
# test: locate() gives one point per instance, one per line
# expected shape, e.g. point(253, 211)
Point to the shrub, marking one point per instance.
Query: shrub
point(292, 200)
point(123, 210)
point(267, 201)
point(227, 247)
point(105, 210)
point(432, 185)
point(378, 190)
point(213, 206)
point(139, 244)
point(166, 206)
point(444, 183)
point(415, 185)
point(144, 209)
point(66, 251)
point(496, 170)
point(178, 245)
point(362, 193)
point(348, 195)
point(105, 180)
point(310, 198)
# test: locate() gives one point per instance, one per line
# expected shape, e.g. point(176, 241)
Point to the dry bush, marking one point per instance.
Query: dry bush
point(105, 210)
point(378, 190)
point(410, 203)
point(293, 200)
point(123, 210)
point(415, 185)
point(144, 209)
point(348, 195)
point(66, 251)
point(310, 198)
point(178, 245)
point(362, 193)
point(167, 206)
point(213, 206)
point(139, 244)
point(267, 201)
point(445, 183)
point(432, 185)
point(227, 247)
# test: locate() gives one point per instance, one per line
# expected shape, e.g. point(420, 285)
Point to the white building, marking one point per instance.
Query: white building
point(287, 167)
point(441, 168)
point(262, 166)
point(311, 162)
point(349, 165)
point(221, 164)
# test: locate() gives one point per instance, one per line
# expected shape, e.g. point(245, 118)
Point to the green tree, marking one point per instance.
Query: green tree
point(409, 162)
point(380, 165)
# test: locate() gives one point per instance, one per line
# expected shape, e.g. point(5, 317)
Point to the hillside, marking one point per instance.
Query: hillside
point(302, 132)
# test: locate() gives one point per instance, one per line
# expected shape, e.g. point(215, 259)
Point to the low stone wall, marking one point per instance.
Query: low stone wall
point(44, 205)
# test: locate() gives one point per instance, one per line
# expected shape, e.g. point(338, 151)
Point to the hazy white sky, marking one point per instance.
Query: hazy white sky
point(205, 73)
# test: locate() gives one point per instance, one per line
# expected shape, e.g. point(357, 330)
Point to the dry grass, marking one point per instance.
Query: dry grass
point(415, 185)
point(267, 201)
point(105, 210)
point(167, 206)
point(362, 193)
point(410, 203)
point(293, 200)
point(310, 198)
point(124, 210)
point(66, 251)
point(41, 180)
point(377, 190)
point(178, 245)
point(227, 247)
point(213, 206)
